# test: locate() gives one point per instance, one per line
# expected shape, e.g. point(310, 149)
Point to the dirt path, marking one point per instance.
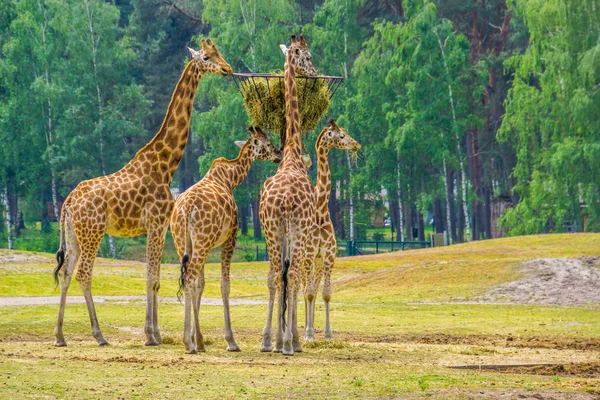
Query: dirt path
point(553, 281)
point(49, 300)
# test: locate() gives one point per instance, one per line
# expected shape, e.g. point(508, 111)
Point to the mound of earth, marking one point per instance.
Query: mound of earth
point(553, 281)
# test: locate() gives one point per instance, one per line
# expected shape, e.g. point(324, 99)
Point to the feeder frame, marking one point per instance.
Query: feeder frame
point(246, 81)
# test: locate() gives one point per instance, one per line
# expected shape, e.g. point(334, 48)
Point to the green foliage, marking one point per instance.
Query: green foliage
point(84, 84)
point(552, 117)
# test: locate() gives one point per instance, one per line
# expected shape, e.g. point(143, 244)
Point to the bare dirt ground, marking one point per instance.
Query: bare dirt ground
point(552, 281)
point(510, 394)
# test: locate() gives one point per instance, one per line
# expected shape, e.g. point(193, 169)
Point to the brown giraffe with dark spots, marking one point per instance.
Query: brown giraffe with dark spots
point(323, 244)
point(132, 201)
point(205, 217)
point(287, 212)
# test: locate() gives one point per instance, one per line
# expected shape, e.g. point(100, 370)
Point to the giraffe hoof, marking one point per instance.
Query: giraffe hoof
point(151, 343)
point(61, 343)
point(266, 349)
point(103, 343)
point(289, 352)
point(234, 348)
point(193, 351)
point(298, 348)
point(328, 336)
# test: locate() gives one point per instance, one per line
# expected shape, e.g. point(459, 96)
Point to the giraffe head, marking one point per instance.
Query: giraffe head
point(260, 146)
point(333, 136)
point(209, 60)
point(301, 55)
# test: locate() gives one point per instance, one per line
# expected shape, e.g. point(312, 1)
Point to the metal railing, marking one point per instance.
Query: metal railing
point(362, 247)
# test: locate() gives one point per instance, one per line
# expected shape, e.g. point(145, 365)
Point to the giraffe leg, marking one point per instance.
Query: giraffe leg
point(196, 304)
point(188, 334)
point(310, 291)
point(328, 262)
point(227, 249)
point(293, 285)
point(275, 254)
point(310, 297)
point(84, 276)
point(71, 258)
point(154, 248)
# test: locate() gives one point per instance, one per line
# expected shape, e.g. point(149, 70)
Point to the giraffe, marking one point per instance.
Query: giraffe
point(287, 212)
point(132, 201)
point(205, 217)
point(323, 244)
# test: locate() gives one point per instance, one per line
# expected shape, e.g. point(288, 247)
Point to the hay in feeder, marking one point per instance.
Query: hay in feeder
point(265, 102)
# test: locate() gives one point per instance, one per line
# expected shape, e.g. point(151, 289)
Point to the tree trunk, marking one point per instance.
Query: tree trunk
point(409, 221)
point(438, 215)
point(421, 227)
point(351, 201)
point(400, 224)
point(256, 219)
point(452, 235)
point(394, 217)
point(9, 220)
point(461, 215)
point(244, 219)
point(332, 205)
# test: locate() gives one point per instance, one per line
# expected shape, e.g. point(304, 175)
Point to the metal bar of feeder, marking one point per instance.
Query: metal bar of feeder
point(335, 89)
point(235, 80)
point(257, 92)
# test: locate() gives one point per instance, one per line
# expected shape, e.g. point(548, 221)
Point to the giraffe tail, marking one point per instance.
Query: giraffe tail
point(285, 266)
point(60, 254)
point(186, 255)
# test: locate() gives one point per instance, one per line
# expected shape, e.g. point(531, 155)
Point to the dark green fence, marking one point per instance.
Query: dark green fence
point(361, 247)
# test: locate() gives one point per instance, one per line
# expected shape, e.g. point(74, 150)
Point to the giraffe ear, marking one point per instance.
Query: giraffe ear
point(240, 143)
point(283, 48)
point(194, 53)
point(302, 41)
point(332, 123)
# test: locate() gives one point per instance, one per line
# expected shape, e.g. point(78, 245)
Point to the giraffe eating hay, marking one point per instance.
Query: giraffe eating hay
point(287, 212)
point(205, 217)
point(323, 244)
point(132, 201)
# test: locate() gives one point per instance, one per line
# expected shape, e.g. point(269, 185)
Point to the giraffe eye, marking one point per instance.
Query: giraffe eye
point(342, 136)
point(205, 58)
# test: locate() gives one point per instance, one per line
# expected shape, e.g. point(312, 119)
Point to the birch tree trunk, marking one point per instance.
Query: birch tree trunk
point(351, 203)
point(94, 40)
point(400, 213)
point(49, 121)
point(459, 153)
point(9, 221)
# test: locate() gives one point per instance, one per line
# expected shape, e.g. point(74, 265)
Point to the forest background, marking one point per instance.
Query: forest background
point(480, 118)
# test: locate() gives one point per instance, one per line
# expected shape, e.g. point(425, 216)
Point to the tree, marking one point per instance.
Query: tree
point(553, 118)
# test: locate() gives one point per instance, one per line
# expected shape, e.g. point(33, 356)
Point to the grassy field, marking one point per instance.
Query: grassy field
point(402, 324)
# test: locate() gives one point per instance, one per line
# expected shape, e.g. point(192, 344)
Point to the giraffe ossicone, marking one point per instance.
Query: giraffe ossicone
point(132, 201)
point(206, 217)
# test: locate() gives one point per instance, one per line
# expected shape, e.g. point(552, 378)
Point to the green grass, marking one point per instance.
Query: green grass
point(396, 331)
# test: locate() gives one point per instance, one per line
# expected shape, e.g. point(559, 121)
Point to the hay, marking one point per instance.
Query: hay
point(265, 103)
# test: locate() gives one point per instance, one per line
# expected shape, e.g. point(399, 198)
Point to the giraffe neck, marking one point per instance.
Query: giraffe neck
point(323, 188)
point(166, 148)
point(292, 150)
point(231, 173)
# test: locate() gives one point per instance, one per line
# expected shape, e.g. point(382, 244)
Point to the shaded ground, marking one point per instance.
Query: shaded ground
point(47, 300)
point(555, 281)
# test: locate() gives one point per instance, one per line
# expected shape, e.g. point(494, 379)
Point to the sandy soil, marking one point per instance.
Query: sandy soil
point(39, 301)
point(509, 394)
point(555, 281)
